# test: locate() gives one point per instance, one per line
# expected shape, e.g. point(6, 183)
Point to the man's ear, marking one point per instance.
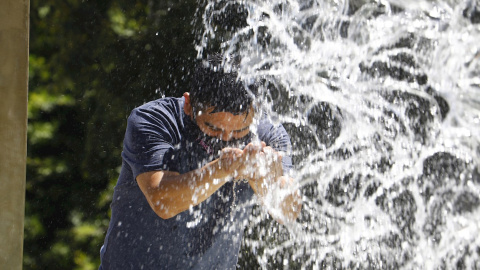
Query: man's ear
point(187, 106)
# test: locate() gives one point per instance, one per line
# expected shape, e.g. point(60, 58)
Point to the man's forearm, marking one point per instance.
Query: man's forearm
point(291, 204)
point(171, 193)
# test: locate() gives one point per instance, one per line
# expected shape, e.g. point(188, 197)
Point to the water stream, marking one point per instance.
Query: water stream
point(382, 101)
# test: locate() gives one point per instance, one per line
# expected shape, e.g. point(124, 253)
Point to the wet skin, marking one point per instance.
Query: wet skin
point(222, 125)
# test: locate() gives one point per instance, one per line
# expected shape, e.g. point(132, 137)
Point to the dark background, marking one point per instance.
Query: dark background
point(91, 63)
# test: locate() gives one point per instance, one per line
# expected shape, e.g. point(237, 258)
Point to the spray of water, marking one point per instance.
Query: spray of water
point(382, 100)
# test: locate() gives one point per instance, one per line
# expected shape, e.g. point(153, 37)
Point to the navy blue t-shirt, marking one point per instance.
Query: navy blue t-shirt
point(160, 136)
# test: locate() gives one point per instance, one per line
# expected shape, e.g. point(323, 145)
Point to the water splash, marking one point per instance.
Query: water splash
point(382, 99)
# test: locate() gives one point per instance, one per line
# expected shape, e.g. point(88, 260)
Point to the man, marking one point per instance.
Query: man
point(188, 174)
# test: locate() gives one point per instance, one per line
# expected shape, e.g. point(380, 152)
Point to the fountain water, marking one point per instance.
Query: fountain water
point(382, 99)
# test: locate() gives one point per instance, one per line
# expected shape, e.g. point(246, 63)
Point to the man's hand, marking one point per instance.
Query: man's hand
point(260, 162)
point(229, 162)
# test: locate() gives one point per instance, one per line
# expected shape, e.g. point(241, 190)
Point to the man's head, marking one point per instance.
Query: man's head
point(220, 104)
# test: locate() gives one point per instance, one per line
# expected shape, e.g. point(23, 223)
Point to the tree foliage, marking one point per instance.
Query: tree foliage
point(91, 62)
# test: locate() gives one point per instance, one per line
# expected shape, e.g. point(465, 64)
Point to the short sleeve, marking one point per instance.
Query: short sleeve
point(277, 137)
point(150, 136)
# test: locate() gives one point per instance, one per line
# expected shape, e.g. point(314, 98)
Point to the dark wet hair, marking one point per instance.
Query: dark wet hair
point(213, 85)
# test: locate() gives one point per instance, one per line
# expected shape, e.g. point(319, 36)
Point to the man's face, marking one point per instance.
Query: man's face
point(224, 125)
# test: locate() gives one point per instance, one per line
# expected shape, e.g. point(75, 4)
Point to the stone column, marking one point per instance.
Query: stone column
point(14, 37)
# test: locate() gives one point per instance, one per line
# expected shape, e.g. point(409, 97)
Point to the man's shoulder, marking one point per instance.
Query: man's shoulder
point(163, 108)
point(271, 130)
point(266, 125)
point(168, 103)
point(160, 114)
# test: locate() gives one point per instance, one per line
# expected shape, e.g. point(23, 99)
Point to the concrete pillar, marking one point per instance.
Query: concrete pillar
point(14, 37)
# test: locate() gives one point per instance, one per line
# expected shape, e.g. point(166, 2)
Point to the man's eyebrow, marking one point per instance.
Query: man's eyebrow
point(216, 128)
point(240, 130)
point(211, 126)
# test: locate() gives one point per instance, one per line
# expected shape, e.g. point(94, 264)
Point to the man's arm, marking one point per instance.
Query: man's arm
point(170, 193)
point(263, 180)
point(291, 204)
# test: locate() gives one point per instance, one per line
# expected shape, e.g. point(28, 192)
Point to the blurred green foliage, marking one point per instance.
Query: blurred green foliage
point(91, 62)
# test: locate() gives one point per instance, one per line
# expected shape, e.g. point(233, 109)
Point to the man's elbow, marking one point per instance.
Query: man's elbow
point(165, 214)
point(162, 210)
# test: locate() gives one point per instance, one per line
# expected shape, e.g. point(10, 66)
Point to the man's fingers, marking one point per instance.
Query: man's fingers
point(231, 152)
point(252, 148)
point(230, 159)
point(270, 150)
point(257, 161)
